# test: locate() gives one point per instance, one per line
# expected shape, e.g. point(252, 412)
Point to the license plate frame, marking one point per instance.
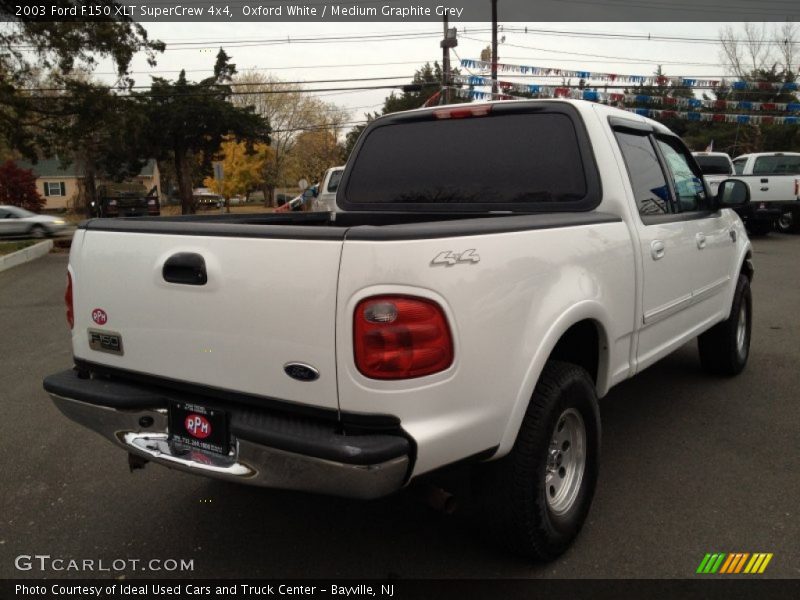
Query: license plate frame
point(199, 427)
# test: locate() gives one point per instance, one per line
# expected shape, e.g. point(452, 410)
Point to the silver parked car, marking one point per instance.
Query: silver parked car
point(16, 221)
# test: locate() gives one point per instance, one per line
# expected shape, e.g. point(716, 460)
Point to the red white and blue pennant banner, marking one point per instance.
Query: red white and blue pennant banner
point(659, 80)
point(547, 91)
point(653, 113)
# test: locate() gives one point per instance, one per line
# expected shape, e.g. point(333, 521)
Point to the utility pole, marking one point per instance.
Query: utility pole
point(494, 49)
point(449, 41)
point(445, 65)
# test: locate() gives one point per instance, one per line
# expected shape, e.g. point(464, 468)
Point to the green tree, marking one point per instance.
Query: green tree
point(187, 119)
point(661, 88)
point(427, 82)
point(30, 48)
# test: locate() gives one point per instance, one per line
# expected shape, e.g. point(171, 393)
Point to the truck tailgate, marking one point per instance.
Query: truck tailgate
point(267, 302)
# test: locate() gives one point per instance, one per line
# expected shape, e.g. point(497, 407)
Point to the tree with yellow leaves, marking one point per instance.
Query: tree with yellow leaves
point(242, 169)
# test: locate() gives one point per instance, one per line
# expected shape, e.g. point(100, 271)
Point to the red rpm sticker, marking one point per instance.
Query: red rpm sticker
point(99, 316)
point(198, 426)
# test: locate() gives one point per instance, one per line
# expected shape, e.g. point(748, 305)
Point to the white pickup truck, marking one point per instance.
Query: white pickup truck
point(716, 168)
point(326, 194)
point(774, 194)
point(774, 180)
point(497, 269)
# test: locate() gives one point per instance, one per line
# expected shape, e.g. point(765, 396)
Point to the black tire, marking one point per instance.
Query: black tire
point(758, 228)
point(722, 352)
point(37, 232)
point(789, 222)
point(514, 490)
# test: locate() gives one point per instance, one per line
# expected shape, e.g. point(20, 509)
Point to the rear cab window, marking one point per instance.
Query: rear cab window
point(517, 158)
point(777, 165)
point(714, 165)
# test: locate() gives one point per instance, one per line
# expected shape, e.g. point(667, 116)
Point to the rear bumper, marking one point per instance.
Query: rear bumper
point(267, 449)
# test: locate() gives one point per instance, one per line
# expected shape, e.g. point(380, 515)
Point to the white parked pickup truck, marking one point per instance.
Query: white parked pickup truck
point(326, 194)
point(774, 180)
point(497, 269)
point(716, 168)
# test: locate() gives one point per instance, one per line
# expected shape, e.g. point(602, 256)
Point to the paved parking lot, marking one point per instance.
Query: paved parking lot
point(691, 464)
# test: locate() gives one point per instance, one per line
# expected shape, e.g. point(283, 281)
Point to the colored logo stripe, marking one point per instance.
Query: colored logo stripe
point(758, 563)
point(734, 562)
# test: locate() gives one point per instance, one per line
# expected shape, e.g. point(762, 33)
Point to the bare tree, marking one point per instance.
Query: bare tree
point(754, 48)
point(290, 111)
point(785, 39)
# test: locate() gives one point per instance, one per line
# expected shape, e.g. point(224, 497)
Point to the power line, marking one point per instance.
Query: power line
point(215, 91)
point(241, 84)
point(247, 69)
point(615, 58)
point(381, 37)
point(626, 36)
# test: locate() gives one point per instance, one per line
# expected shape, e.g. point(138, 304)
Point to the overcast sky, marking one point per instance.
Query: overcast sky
point(330, 59)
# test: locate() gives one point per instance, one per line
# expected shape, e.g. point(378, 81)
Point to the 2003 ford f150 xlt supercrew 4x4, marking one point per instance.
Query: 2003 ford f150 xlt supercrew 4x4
point(497, 268)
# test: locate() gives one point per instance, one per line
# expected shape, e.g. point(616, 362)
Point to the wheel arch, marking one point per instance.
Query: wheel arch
point(746, 265)
point(579, 337)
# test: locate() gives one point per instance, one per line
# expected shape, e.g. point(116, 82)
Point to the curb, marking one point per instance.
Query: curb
point(25, 255)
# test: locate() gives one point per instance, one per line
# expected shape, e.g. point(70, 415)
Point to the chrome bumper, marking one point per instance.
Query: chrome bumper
point(249, 462)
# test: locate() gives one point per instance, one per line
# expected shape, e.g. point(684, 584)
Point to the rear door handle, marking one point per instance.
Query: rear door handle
point(657, 249)
point(765, 180)
point(701, 240)
point(187, 268)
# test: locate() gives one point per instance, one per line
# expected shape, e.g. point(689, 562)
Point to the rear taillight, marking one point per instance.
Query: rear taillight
point(400, 337)
point(68, 302)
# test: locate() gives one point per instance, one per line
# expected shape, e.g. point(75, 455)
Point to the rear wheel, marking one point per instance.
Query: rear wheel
point(759, 227)
point(724, 348)
point(789, 222)
point(537, 497)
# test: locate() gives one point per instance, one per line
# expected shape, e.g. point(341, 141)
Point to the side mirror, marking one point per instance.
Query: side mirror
point(732, 193)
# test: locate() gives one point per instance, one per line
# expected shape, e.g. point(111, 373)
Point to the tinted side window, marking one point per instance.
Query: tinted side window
point(738, 166)
point(647, 178)
point(688, 184)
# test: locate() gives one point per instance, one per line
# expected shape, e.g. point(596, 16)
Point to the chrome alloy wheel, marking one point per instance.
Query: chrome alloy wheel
point(566, 461)
point(741, 331)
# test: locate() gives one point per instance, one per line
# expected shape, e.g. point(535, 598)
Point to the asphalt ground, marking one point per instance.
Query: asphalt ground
point(690, 464)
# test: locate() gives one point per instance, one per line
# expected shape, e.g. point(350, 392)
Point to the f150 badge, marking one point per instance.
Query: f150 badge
point(449, 258)
point(105, 341)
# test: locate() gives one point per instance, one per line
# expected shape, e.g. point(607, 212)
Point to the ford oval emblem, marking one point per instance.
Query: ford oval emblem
point(301, 371)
